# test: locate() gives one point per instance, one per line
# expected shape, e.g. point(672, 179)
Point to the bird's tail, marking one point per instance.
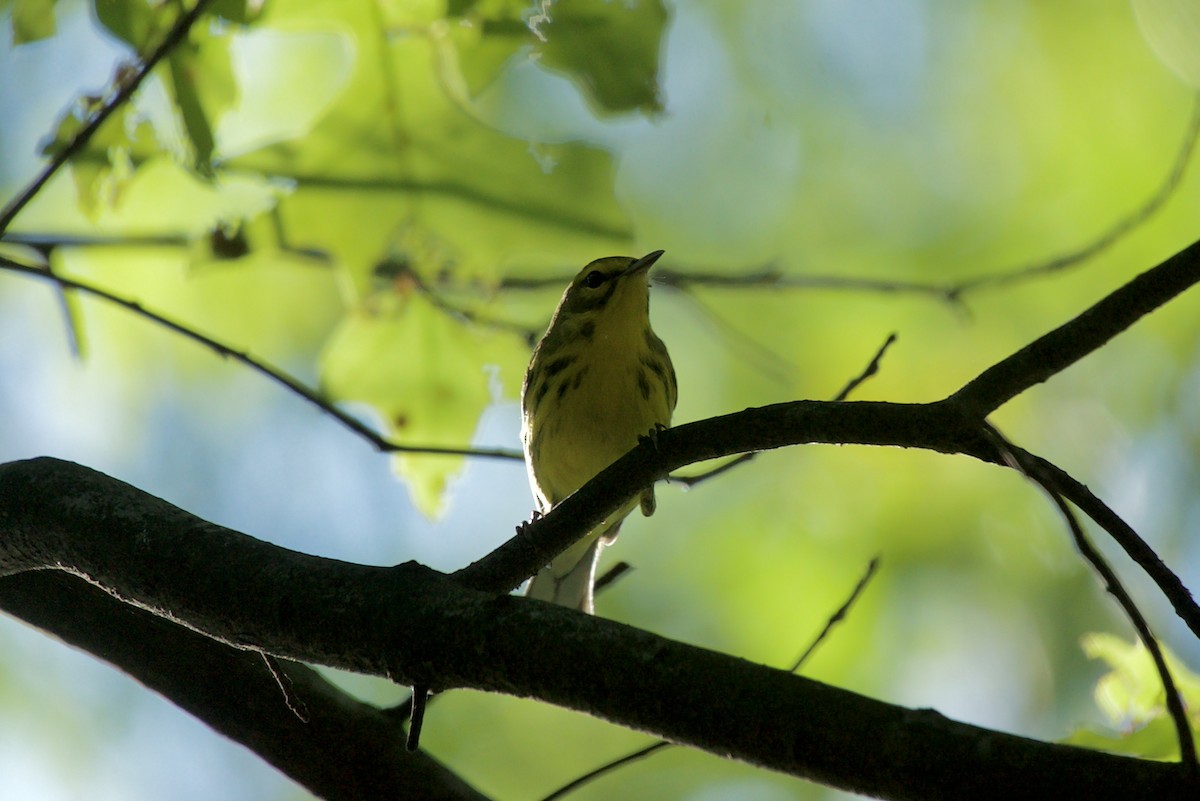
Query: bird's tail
point(568, 580)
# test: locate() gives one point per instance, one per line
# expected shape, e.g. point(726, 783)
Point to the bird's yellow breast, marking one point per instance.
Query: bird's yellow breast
point(593, 409)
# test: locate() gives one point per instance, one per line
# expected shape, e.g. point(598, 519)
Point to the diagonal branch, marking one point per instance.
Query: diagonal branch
point(1033, 471)
point(1070, 342)
point(345, 751)
point(1123, 534)
point(416, 626)
point(949, 426)
point(128, 86)
point(279, 376)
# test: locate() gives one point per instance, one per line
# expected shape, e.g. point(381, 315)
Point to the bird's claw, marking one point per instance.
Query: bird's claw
point(652, 435)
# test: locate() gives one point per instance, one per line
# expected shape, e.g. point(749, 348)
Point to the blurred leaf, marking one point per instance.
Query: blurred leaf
point(203, 84)
point(69, 125)
point(32, 20)
point(309, 69)
point(427, 376)
point(423, 156)
point(104, 168)
point(1172, 28)
point(1133, 692)
point(1154, 740)
point(1132, 698)
point(241, 12)
point(131, 21)
point(487, 33)
point(610, 49)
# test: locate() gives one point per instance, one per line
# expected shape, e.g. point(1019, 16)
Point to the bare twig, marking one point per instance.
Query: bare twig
point(1032, 470)
point(398, 270)
point(769, 276)
point(1175, 707)
point(273, 373)
point(763, 358)
point(127, 86)
point(1124, 535)
point(646, 751)
point(870, 370)
point(604, 769)
point(1053, 352)
point(840, 614)
point(1183, 157)
point(690, 481)
point(611, 576)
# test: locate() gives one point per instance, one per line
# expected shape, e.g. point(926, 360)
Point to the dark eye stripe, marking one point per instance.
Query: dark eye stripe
point(598, 301)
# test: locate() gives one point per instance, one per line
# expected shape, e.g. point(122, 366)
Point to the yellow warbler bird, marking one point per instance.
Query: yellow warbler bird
point(599, 379)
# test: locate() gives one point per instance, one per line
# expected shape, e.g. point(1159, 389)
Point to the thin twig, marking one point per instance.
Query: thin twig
point(770, 276)
point(397, 269)
point(766, 360)
point(613, 574)
point(273, 373)
point(608, 767)
point(690, 481)
point(642, 753)
point(1175, 707)
point(127, 86)
point(1085, 333)
point(1171, 586)
point(840, 614)
point(870, 370)
point(1107, 239)
point(1112, 584)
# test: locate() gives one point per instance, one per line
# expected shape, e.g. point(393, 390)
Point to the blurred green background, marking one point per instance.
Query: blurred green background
point(361, 193)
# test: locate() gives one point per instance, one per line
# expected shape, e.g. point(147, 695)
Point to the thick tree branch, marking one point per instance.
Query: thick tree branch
point(344, 750)
point(417, 626)
point(1070, 342)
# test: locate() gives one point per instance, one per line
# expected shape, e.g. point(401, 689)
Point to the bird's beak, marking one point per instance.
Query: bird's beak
point(644, 263)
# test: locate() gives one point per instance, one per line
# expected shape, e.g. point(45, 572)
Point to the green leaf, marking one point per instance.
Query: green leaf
point(487, 33)
point(241, 12)
point(1132, 692)
point(131, 21)
point(609, 48)
point(423, 156)
point(104, 168)
point(32, 20)
point(203, 84)
point(1154, 740)
point(424, 373)
point(1131, 696)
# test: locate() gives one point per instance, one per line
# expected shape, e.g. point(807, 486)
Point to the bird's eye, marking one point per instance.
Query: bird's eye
point(593, 279)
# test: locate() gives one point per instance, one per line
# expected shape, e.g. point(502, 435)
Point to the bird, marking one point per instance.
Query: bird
point(598, 381)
